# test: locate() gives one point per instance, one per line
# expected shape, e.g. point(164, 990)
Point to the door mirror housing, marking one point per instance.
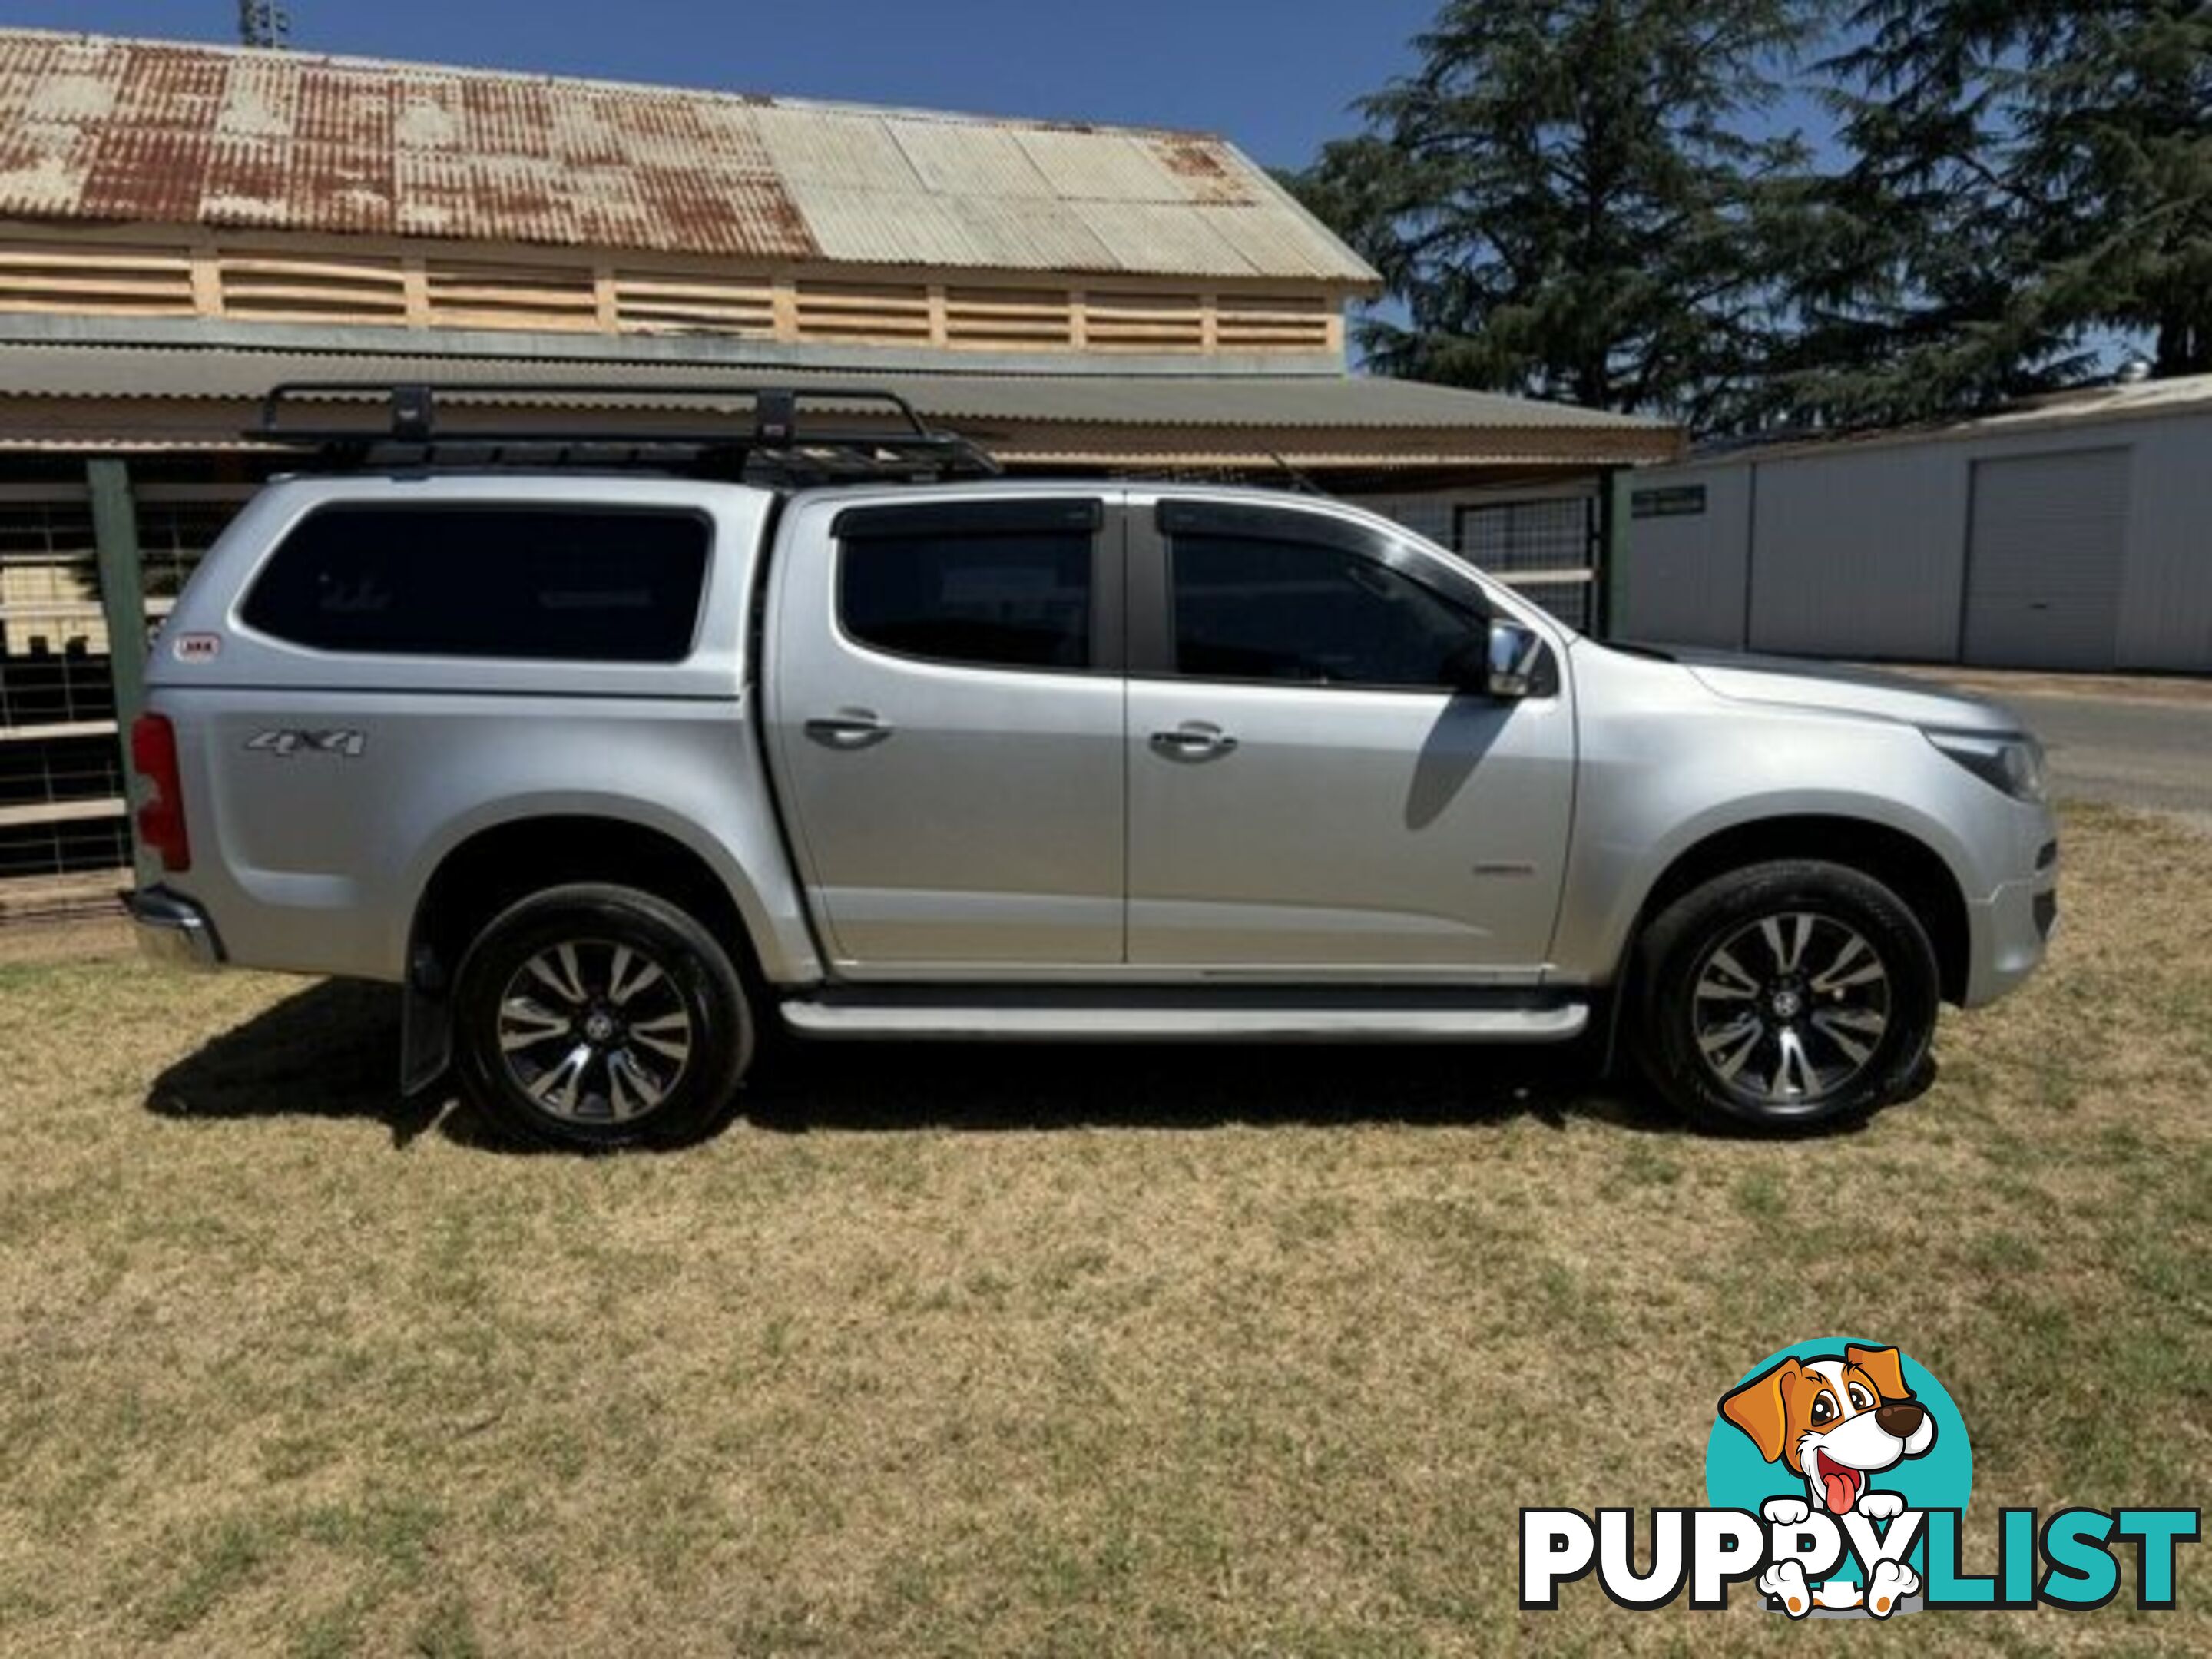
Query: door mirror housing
point(1513, 660)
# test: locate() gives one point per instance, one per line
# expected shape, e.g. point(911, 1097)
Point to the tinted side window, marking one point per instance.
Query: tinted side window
point(1019, 601)
point(591, 585)
point(1251, 609)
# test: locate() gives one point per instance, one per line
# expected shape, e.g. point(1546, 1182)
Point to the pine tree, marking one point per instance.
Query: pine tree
point(2025, 177)
point(1571, 199)
point(2117, 142)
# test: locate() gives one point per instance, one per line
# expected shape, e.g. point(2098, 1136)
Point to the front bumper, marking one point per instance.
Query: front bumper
point(2010, 931)
point(173, 930)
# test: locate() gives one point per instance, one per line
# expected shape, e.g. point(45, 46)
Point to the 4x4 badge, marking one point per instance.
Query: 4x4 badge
point(348, 745)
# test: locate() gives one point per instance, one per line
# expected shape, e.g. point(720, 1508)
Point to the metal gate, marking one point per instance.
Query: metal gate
point(1546, 546)
point(63, 807)
point(2043, 559)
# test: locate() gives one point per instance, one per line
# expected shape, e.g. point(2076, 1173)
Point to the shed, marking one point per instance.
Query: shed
point(2065, 532)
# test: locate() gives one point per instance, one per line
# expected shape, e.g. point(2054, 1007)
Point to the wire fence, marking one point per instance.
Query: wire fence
point(1528, 542)
point(63, 796)
point(1547, 547)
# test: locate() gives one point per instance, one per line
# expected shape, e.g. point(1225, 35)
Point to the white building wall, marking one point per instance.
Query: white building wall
point(2165, 592)
point(1685, 582)
point(1860, 550)
point(1861, 553)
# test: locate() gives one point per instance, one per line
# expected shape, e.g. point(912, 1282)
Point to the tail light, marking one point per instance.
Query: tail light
point(161, 814)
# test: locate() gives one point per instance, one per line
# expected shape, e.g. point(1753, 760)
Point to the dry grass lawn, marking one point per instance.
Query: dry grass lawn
point(1048, 1351)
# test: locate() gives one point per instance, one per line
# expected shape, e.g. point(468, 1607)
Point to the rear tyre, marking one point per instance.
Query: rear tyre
point(1784, 996)
point(595, 1016)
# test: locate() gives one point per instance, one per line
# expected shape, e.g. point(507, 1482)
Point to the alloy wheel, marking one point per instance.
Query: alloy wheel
point(1787, 1010)
point(593, 1032)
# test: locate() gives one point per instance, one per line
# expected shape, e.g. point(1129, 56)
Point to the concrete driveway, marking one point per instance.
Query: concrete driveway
point(2130, 743)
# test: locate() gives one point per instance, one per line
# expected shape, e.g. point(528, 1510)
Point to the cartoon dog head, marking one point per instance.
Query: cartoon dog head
point(1834, 1421)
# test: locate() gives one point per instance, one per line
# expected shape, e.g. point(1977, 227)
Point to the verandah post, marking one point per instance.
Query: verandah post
point(123, 604)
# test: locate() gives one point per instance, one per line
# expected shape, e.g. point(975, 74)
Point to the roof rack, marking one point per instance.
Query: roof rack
point(769, 448)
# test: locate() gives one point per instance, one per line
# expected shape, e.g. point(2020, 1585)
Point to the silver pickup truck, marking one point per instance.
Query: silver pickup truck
point(614, 771)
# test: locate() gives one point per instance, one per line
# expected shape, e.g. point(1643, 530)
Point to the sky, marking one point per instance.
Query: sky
point(1274, 76)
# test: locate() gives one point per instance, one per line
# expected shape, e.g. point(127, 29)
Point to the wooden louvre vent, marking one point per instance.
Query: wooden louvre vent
point(335, 281)
point(1008, 318)
point(467, 295)
point(1144, 322)
point(1273, 322)
point(652, 303)
point(892, 313)
point(266, 287)
point(116, 280)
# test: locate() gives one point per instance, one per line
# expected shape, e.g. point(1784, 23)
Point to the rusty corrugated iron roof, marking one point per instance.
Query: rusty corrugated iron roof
point(138, 131)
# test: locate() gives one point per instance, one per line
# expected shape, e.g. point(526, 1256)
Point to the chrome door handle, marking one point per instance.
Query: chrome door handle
point(1193, 740)
point(853, 728)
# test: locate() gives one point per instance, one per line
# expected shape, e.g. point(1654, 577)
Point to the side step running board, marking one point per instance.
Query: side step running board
point(859, 1017)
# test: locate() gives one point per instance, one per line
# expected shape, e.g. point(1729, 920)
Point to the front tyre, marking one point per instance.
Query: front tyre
point(1784, 996)
point(594, 1016)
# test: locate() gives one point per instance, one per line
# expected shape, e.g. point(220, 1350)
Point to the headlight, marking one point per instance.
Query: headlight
point(2011, 761)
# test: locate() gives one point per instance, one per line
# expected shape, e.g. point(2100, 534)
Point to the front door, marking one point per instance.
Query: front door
point(1312, 794)
point(946, 717)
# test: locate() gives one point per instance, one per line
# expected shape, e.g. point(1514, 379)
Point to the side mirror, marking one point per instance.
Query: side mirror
point(1511, 657)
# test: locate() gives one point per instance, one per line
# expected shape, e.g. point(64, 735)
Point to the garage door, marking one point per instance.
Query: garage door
point(2042, 570)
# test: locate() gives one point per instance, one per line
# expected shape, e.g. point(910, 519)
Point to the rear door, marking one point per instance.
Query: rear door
point(1309, 795)
point(945, 681)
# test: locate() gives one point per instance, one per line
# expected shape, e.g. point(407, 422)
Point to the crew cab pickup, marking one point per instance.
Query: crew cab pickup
point(612, 772)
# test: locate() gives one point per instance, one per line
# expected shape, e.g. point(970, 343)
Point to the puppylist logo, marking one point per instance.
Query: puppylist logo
point(1837, 1477)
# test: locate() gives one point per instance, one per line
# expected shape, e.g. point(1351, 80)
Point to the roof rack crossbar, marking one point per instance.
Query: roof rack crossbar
point(775, 443)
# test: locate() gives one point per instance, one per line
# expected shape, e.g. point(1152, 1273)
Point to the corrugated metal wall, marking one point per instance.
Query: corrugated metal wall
point(1689, 548)
point(1860, 550)
point(2165, 585)
point(1860, 554)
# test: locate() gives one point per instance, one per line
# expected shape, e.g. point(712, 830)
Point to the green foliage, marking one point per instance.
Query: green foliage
point(1589, 199)
point(2120, 144)
point(1567, 202)
point(2022, 178)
